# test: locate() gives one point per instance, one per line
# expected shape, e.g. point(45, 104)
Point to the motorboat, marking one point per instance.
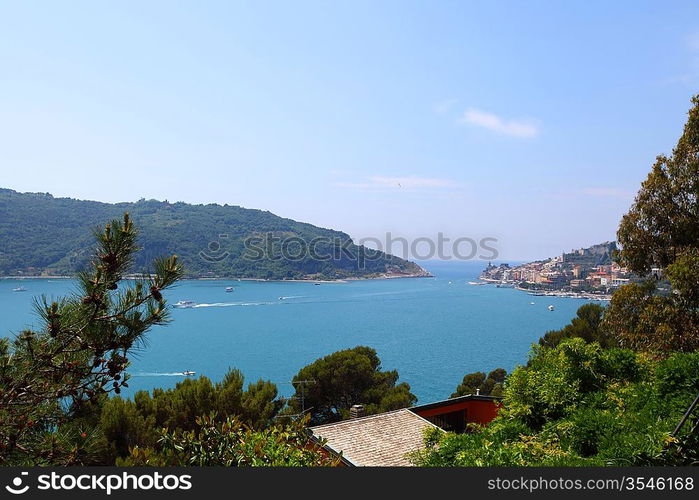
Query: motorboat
point(184, 304)
point(188, 373)
point(551, 308)
point(229, 289)
point(19, 289)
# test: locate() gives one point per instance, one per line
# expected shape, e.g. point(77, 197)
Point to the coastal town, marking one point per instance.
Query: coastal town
point(585, 272)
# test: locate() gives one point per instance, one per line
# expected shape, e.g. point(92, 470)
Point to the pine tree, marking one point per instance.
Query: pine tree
point(80, 352)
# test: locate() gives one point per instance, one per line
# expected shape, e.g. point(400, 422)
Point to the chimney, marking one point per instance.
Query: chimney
point(356, 411)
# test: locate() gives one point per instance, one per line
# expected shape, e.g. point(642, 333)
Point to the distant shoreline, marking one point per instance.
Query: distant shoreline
point(36, 277)
point(571, 295)
point(553, 293)
point(224, 278)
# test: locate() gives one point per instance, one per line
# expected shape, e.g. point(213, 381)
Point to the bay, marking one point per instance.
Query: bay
point(432, 330)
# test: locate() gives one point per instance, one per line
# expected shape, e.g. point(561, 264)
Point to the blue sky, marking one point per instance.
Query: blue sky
point(532, 122)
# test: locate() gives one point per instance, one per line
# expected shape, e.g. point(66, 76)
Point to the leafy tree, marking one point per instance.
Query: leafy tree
point(663, 222)
point(79, 353)
point(641, 319)
point(230, 443)
point(587, 325)
point(478, 382)
point(345, 378)
point(662, 230)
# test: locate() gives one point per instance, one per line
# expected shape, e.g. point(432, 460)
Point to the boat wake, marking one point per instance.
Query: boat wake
point(233, 304)
point(158, 374)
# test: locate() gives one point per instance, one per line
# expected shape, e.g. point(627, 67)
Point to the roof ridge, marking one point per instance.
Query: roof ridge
point(364, 418)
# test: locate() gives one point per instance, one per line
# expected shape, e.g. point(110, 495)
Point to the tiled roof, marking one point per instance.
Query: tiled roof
point(377, 440)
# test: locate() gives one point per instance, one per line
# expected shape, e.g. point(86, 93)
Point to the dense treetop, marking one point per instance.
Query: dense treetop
point(331, 385)
point(663, 223)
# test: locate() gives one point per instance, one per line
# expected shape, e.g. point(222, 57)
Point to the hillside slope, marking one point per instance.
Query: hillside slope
point(43, 234)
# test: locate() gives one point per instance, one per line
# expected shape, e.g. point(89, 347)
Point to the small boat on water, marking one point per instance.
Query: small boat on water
point(188, 373)
point(229, 289)
point(531, 303)
point(184, 304)
point(19, 289)
point(551, 308)
point(476, 283)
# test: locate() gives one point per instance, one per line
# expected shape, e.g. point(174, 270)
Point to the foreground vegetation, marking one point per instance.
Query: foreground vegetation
point(579, 404)
point(147, 429)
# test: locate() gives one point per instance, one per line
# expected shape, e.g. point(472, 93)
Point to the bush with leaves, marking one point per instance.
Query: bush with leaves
point(579, 404)
point(556, 380)
point(231, 443)
point(502, 443)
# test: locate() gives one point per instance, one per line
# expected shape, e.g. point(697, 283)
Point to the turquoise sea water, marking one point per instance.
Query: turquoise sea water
point(432, 330)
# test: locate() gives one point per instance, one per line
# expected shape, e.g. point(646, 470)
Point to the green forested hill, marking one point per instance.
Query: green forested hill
point(43, 234)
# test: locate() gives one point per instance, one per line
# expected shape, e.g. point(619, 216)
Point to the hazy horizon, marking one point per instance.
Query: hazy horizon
point(384, 246)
